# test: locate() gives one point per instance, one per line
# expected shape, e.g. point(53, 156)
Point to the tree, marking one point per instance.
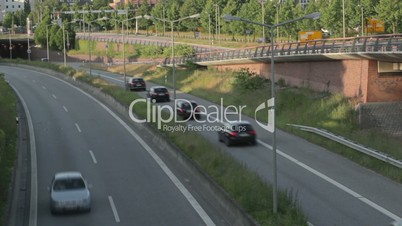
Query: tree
point(352, 17)
point(288, 12)
point(249, 11)
point(159, 12)
point(27, 7)
point(309, 25)
point(53, 36)
point(8, 20)
point(145, 9)
point(99, 4)
point(173, 11)
point(331, 16)
point(187, 9)
point(391, 12)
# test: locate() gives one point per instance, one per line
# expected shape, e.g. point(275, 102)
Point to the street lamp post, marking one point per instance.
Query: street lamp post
point(362, 12)
point(172, 37)
point(271, 102)
point(343, 19)
point(124, 47)
point(47, 41)
point(28, 33)
point(89, 43)
point(263, 19)
point(10, 48)
point(64, 47)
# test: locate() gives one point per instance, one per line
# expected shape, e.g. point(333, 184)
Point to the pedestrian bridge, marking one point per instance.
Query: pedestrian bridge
point(386, 48)
point(368, 69)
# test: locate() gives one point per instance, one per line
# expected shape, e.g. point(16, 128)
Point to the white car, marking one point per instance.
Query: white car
point(69, 192)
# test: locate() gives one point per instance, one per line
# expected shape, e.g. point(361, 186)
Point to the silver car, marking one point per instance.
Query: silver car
point(69, 192)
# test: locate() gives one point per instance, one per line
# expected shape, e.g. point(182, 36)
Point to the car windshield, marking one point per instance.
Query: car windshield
point(68, 184)
point(138, 80)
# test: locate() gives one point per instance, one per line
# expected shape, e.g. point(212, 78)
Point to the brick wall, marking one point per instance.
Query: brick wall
point(383, 87)
point(354, 78)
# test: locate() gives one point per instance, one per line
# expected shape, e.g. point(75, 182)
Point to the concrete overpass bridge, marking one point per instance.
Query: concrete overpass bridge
point(385, 48)
point(367, 68)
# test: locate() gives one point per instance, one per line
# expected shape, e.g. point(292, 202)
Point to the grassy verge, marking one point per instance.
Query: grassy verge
point(244, 186)
point(8, 135)
point(332, 112)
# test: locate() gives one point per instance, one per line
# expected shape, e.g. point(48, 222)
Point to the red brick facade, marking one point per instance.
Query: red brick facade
point(354, 78)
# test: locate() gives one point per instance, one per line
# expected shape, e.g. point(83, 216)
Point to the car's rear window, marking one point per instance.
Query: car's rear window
point(68, 184)
point(242, 127)
point(186, 106)
point(138, 80)
point(160, 90)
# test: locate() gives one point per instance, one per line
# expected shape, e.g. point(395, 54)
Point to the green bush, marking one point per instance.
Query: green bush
point(248, 81)
point(179, 50)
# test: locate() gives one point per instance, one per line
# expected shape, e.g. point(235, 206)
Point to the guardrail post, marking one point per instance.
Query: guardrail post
point(290, 47)
point(376, 45)
point(332, 50)
point(389, 48)
point(314, 46)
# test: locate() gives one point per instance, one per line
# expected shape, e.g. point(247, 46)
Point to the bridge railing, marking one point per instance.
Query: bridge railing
point(366, 44)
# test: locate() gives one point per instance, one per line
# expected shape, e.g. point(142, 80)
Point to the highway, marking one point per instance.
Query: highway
point(331, 189)
point(129, 183)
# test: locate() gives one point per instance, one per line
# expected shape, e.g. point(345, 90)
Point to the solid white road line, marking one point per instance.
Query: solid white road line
point(193, 202)
point(114, 210)
point(78, 127)
point(33, 210)
point(65, 109)
point(93, 156)
point(108, 77)
point(335, 183)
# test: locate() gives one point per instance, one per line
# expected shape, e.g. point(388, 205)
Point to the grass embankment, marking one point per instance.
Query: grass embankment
point(8, 135)
point(244, 186)
point(332, 112)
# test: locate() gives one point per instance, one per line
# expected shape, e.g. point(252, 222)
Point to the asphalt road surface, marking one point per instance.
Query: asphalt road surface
point(129, 183)
point(331, 189)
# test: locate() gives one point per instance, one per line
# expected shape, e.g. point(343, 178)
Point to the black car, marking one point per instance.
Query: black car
point(237, 132)
point(187, 109)
point(136, 84)
point(158, 93)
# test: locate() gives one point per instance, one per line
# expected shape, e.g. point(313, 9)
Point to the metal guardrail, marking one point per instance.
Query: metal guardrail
point(366, 44)
point(368, 151)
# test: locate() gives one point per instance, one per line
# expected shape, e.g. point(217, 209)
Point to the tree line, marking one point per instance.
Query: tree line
point(337, 16)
